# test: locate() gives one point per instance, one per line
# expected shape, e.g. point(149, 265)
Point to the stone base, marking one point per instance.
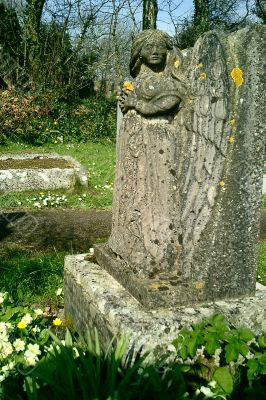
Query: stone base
point(166, 289)
point(93, 298)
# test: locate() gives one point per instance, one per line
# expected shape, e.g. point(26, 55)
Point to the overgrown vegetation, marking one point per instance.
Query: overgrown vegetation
point(45, 118)
point(209, 359)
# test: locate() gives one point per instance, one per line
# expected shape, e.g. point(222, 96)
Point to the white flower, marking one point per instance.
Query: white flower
point(2, 297)
point(59, 291)
point(213, 384)
point(36, 329)
point(19, 345)
point(91, 251)
point(30, 359)
point(3, 327)
point(6, 350)
point(207, 391)
point(38, 311)
point(31, 354)
point(216, 357)
point(8, 367)
point(249, 355)
point(34, 349)
point(200, 352)
point(27, 319)
point(2, 377)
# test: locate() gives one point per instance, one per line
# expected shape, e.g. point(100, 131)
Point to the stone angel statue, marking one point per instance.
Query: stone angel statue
point(180, 211)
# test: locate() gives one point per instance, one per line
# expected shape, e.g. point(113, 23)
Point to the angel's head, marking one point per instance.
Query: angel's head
point(154, 49)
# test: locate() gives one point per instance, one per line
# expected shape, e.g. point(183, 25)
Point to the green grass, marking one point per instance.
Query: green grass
point(99, 160)
point(263, 201)
point(262, 263)
point(31, 277)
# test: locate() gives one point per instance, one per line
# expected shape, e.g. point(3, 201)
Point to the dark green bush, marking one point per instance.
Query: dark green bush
point(47, 118)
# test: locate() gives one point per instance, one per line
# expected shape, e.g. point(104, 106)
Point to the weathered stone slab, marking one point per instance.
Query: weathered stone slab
point(264, 185)
point(16, 176)
point(94, 298)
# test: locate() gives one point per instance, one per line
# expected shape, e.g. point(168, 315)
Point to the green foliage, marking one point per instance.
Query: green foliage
point(24, 340)
point(34, 358)
point(31, 276)
point(228, 360)
point(47, 118)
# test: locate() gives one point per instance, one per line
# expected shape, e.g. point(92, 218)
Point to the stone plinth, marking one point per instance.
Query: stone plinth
point(94, 298)
point(64, 173)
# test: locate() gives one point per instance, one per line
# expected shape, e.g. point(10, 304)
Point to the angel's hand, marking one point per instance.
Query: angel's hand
point(127, 101)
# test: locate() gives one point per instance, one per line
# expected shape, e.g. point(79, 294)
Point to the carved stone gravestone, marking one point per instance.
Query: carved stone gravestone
point(189, 172)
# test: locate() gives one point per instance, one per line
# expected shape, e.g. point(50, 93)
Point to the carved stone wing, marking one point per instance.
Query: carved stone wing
point(205, 146)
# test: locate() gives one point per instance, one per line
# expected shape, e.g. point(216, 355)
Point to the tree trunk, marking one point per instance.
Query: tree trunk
point(150, 11)
point(32, 38)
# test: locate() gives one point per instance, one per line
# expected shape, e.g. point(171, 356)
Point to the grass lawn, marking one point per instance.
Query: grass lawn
point(31, 277)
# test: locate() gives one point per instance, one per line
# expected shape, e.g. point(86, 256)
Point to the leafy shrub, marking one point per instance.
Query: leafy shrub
point(225, 360)
point(210, 360)
point(47, 118)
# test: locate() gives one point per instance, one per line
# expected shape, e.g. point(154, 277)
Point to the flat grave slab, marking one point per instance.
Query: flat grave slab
point(36, 171)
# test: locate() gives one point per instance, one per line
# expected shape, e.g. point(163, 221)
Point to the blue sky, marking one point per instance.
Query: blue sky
point(183, 10)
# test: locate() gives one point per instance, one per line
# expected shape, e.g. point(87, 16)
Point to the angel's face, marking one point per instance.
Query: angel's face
point(153, 53)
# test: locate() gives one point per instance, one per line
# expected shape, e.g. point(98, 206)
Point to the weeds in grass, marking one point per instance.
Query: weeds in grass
point(32, 277)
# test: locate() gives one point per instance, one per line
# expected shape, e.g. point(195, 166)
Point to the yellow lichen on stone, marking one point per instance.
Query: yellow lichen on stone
point(154, 285)
point(199, 285)
point(203, 76)
point(128, 86)
point(237, 76)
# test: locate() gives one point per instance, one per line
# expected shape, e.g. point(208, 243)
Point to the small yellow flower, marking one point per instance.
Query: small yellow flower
point(55, 123)
point(46, 130)
point(237, 76)
point(57, 322)
point(128, 86)
point(22, 325)
point(232, 122)
point(203, 76)
point(222, 184)
point(231, 139)
point(199, 65)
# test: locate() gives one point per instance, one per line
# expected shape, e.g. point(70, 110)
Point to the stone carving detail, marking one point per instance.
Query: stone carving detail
point(189, 156)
